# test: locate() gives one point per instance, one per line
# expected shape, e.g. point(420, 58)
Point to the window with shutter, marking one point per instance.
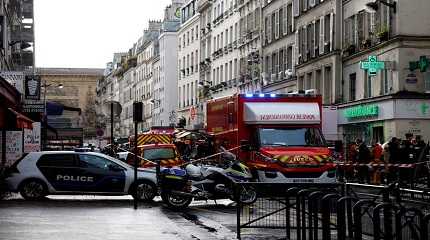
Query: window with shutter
point(321, 43)
point(296, 8)
point(266, 27)
point(305, 5)
point(281, 21)
point(281, 61)
point(276, 24)
point(360, 28)
point(313, 39)
point(290, 18)
point(373, 23)
point(289, 60)
point(250, 26)
point(285, 18)
point(269, 28)
point(317, 37)
point(257, 18)
point(327, 33)
point(305, 43)
point(273, 22)
point(311, 3)
point(296, 47)
point(331, 39)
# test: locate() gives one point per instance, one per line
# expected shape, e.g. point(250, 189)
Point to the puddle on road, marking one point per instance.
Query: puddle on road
point(194, 219)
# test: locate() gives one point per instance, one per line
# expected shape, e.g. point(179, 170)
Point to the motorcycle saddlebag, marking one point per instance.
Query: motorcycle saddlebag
point(173, 178)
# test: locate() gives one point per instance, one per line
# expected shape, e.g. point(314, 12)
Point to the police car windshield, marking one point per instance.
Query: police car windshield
point(119, 162)
point(159, 153)
point(291, 137)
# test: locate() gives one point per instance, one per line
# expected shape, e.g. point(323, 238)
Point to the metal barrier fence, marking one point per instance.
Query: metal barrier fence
point(414, 176)
point(344, 211)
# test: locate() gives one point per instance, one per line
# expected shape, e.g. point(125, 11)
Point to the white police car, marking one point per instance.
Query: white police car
point(63, 172)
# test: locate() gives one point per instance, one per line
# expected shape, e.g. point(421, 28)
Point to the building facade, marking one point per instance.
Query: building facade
point(17, 35)
point(165, 98)
point(279, 44)
point(250, 44)
point(225, 54)
point(188, 64)
point(394, 96)
point(78, 91)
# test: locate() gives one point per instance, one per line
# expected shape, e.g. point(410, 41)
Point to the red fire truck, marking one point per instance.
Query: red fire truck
point(283, 133)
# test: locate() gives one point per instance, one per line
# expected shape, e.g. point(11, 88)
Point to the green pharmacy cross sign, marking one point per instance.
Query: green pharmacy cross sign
point(372, 65)
point(424, 108)
point(422, 64)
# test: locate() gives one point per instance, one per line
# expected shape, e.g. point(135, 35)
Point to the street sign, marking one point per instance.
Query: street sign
point(32, 87)
point(100, 132)
point(372, 65)
point(33, 107)
point(411, 78)
point(117, 108)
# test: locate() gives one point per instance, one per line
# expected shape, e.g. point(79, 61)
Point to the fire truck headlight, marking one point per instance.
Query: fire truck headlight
point(269, 159)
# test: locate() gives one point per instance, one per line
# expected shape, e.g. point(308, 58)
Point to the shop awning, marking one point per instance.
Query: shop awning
point(56, 109)
point(21, 120)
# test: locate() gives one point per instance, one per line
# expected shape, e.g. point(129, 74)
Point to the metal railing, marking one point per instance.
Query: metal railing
point(340, 211)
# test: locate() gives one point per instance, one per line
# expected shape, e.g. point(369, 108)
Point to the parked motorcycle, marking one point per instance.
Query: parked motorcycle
point(204, 182)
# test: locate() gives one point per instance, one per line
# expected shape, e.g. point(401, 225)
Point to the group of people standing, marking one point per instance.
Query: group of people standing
point(396, 151)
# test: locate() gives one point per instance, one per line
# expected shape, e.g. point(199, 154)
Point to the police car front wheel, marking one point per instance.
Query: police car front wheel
point(33, 189)
point(145, 191)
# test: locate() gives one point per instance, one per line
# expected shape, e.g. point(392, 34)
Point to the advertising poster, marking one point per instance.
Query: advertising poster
point(13, 146)
point(32, 138)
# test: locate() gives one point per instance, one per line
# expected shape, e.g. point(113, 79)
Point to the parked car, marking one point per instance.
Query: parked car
point(64, 172)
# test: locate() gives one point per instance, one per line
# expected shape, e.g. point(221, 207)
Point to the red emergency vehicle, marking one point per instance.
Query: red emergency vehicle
point(284, 132)
point(156, 145)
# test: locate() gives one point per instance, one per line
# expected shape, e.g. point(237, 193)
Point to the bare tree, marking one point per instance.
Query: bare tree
point(89, 114)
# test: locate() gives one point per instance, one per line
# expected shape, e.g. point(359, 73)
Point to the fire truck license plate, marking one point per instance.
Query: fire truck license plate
point(303, 180)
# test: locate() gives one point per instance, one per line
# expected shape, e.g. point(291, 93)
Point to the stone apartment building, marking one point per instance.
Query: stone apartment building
point(188, 63)
point(225, 54)
point(249, 44)
point(394, 97)
point(279, 44)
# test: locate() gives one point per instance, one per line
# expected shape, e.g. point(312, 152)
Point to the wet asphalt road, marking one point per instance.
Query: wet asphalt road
point(94, 217)
point(100, 217)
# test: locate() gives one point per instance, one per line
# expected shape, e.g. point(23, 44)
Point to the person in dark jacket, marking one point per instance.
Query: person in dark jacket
point(394, 150)
point(363, 157)
point(407, 149)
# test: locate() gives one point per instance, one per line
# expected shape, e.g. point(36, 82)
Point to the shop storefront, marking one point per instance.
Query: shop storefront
point(382, 118)
point(14, 126)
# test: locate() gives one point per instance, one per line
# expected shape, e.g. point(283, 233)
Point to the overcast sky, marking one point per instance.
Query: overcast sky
point(86, 33)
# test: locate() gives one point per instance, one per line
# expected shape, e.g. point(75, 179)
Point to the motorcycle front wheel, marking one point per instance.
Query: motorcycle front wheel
point(175, 201)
